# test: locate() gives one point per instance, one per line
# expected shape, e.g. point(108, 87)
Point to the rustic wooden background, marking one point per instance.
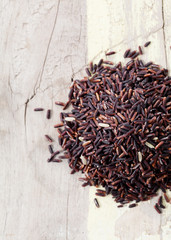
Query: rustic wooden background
point(43, 43)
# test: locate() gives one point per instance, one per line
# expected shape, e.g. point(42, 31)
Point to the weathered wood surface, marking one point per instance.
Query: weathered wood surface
point(42, 45)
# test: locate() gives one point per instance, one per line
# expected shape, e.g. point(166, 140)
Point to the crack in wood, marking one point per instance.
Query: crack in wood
point(164, 37)
point(9, 84)
point(42, 71)
point(48, 46)
point(25, 113)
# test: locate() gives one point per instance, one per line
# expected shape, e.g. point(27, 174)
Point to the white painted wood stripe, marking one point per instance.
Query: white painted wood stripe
point(118, 25)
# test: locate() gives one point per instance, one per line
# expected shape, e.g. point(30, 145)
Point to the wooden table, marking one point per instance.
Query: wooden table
point(43, 44)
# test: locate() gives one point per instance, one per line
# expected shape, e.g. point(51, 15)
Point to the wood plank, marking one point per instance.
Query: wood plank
point(117, 26)
point(43, 43)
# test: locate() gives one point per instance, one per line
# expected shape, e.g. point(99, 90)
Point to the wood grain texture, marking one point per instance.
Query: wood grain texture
point(43, 44)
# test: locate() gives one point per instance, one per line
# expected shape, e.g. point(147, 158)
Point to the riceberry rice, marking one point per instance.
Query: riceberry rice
point(50, 147)
point(38, 109)
point(48, 115)
point(132, 205)
point(127, 53)
point(157, 208)
point(118, 131)
point(147, 44)
point(166, 198)
point(57, 160)
point(96, 203)
point(60, 103)
point(48, 138)
point(110, 53)
point(140, 50)
point(160, 202)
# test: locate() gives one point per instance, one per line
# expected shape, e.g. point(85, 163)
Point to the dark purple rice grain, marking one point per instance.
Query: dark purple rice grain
point(91, 66)
point(162, 206)
point(57, 160)
point(127, 53)
point(132, 205)
point(50, 147)
point(166, 198)
point(140, 50)
point(156, 207)
point(39, 109)
point(101, 194)
point(53, 155)
point(120, 206)
point(160, 202)
point(85, 184)
point(110, 53)
point(70, 94)
point(60, 103)
point(131, 54)
point(66, 105)
point(48, 138)
point(88, 72)
point(48, 115)
point(159, 145)
point(94, 68)
point(148, 64)
point(147, 44)
point(73, 171)
point(100, 63)
point(101, 191)
point(96, 203)
point(62, 157)
point(58, 125)
point(135, 55)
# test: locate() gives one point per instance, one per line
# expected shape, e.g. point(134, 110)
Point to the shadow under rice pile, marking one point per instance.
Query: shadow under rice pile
point(118, 132)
